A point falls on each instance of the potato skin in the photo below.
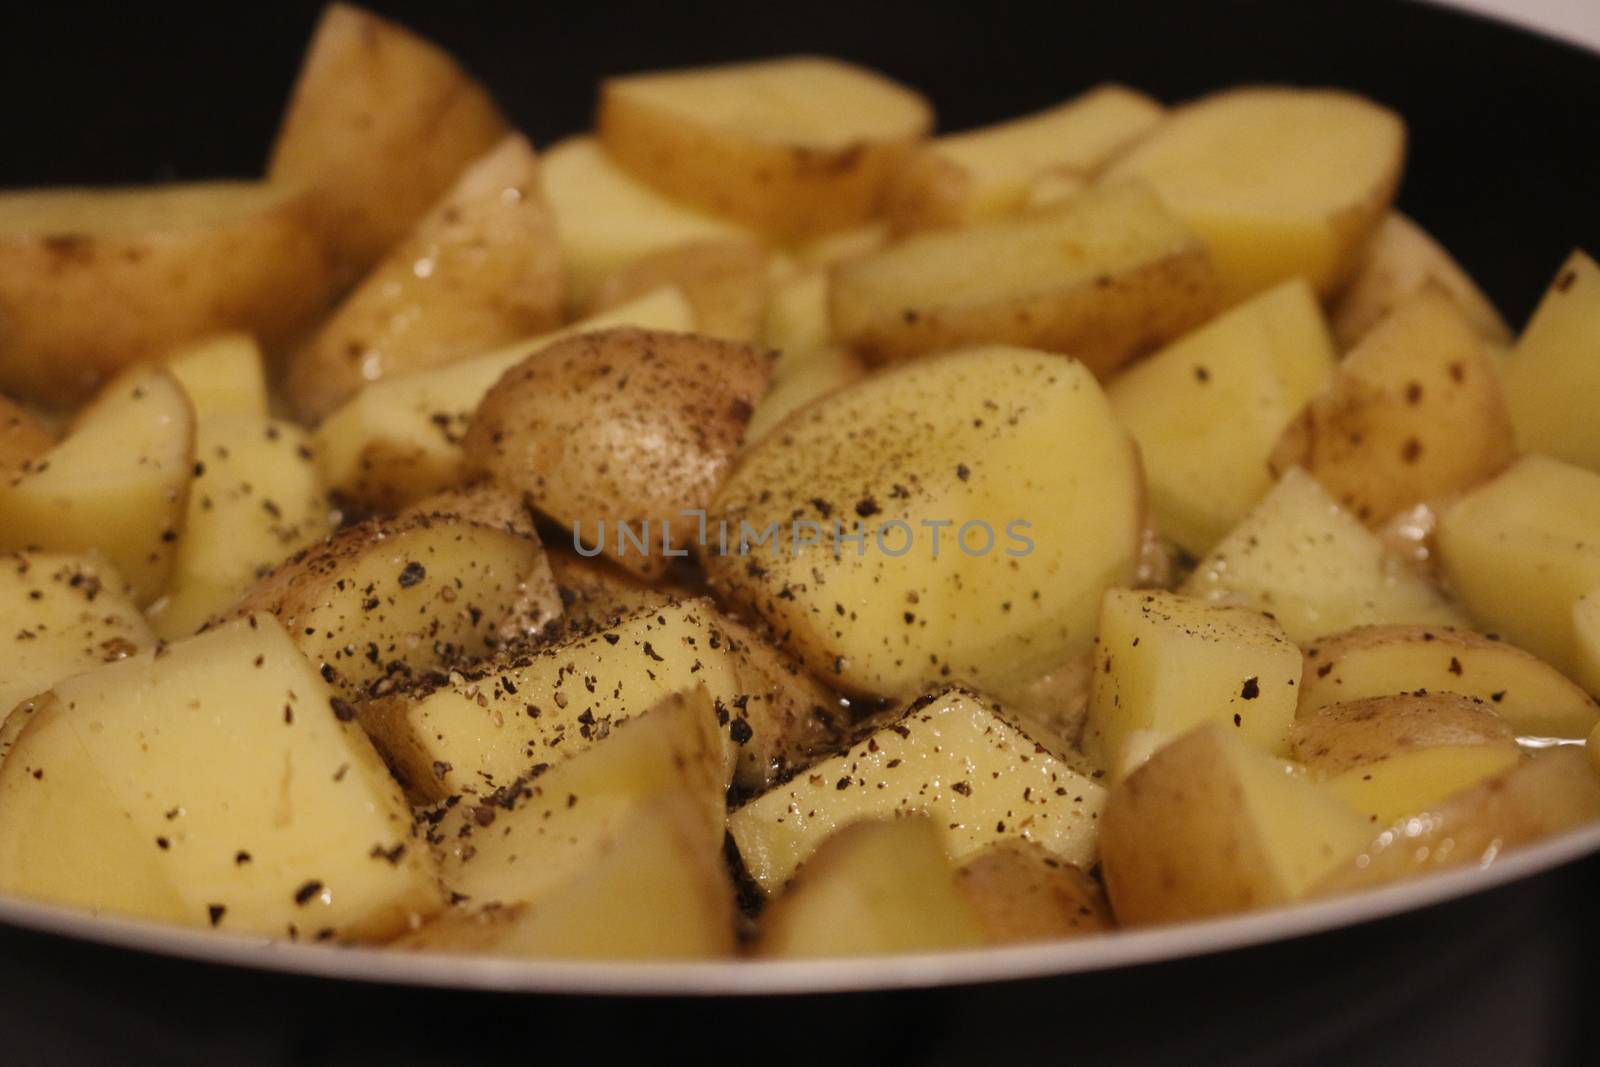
(621, 425)
(23, 438)
(1341, 737)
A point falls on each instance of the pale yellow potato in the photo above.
(1301, 558)
(375, 602)
(23, 437)
(826, 529)
(399, 439)
(1165, 663)
(725, 282)
(1211, 826)
(481, 269)
(379, 124)
(93, 280)
(1414, 413)
(224, 376)
(255, 499)
(790, 147)
(1404, 784)
(1586, 640)
(658, 891)
(265, 811)
(1101, 277)
(1208, 408)
(1279, 182)
(1520, 550)
(878, 886)
(798, 381)
(1022, 893)
(60, 613)
(1400, 260)
(480, 727)
(984, 174)
(1053, 709)
(621, 433)
(1550, 378)
(797, 317)
(117, 484)
(950, 754)
(1374, 661)
(1550, 792)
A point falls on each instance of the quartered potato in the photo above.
(379, 124)
(481, 269)
(1020, 892)
(1550, 378)
(790, 147)
(1278, 182)
(725, 282)
(1101, 277)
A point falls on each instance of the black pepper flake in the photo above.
(1238, 720)
(740, 731)
(963, 788)
(867, 507)
(612, 639)
(241, 858)
(1202, 375)
(163, 844)
(216, 912)
(307, 892)
(963, 471)
(1455, 666)
(341, 709)
(414, 572)
(651, 652)
(1252, 688)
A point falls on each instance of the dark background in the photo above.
(1505, 166)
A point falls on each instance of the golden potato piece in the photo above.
(620, 435)
(1021, 893)
(1586, 640)
(1400, 260)
(725, 282)
(1550, 377)
(791, 147)
(23, 438)
(379, 124)
(989, 173)
(224, 376)
(117, 484)
(1101, 277)
(94, 280)
(1414, 413)
(1279, 182)
(800, 379)
(481, 269)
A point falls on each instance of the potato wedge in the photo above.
(117, 484)
(1165, 663)
(1400, 260)
(378, 601)
(1550, 378)
(95, 280)
(985, 174)
(726, 282)
(226, 755)
(1415, 412)
(876, 886)
(379, 124)
(1211, 826)
(481, 269)
(1208, 409)
(1374, 661)
(950, 754)
(1279, 182)
(399, 439)
(1586, 640)
(596, 594)
(1304, 560)
(1101, 277)
(627, 431)
(224, 376)
(800, 379)
(1021, 893)
(959, 516)
(23, 438)
(790, 147)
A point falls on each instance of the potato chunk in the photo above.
(1307, 562)
(949, 754)
(1166, 663)
(984, 174)
(1100, 277)
(376, 602)
(266, 812)
(877, 886)
(1375, 661)
(1551, 380)
(379, 124)
(958, 516)
(725, 282)
(224, 377)
(622, 432)
(1211, 826)
(1414, 413)
(23, 437)
(1022, 893)
(1208, 409)
(118, 484)
(1520, 550)
(1279, 182)
(791, 147)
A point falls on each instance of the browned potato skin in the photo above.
(493, 277)
(726, 282)
(23, 438)
(1341, 737)
(1381, 440)
(484, 503)
(380, 123)
(621, 425)
(1020, 892)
